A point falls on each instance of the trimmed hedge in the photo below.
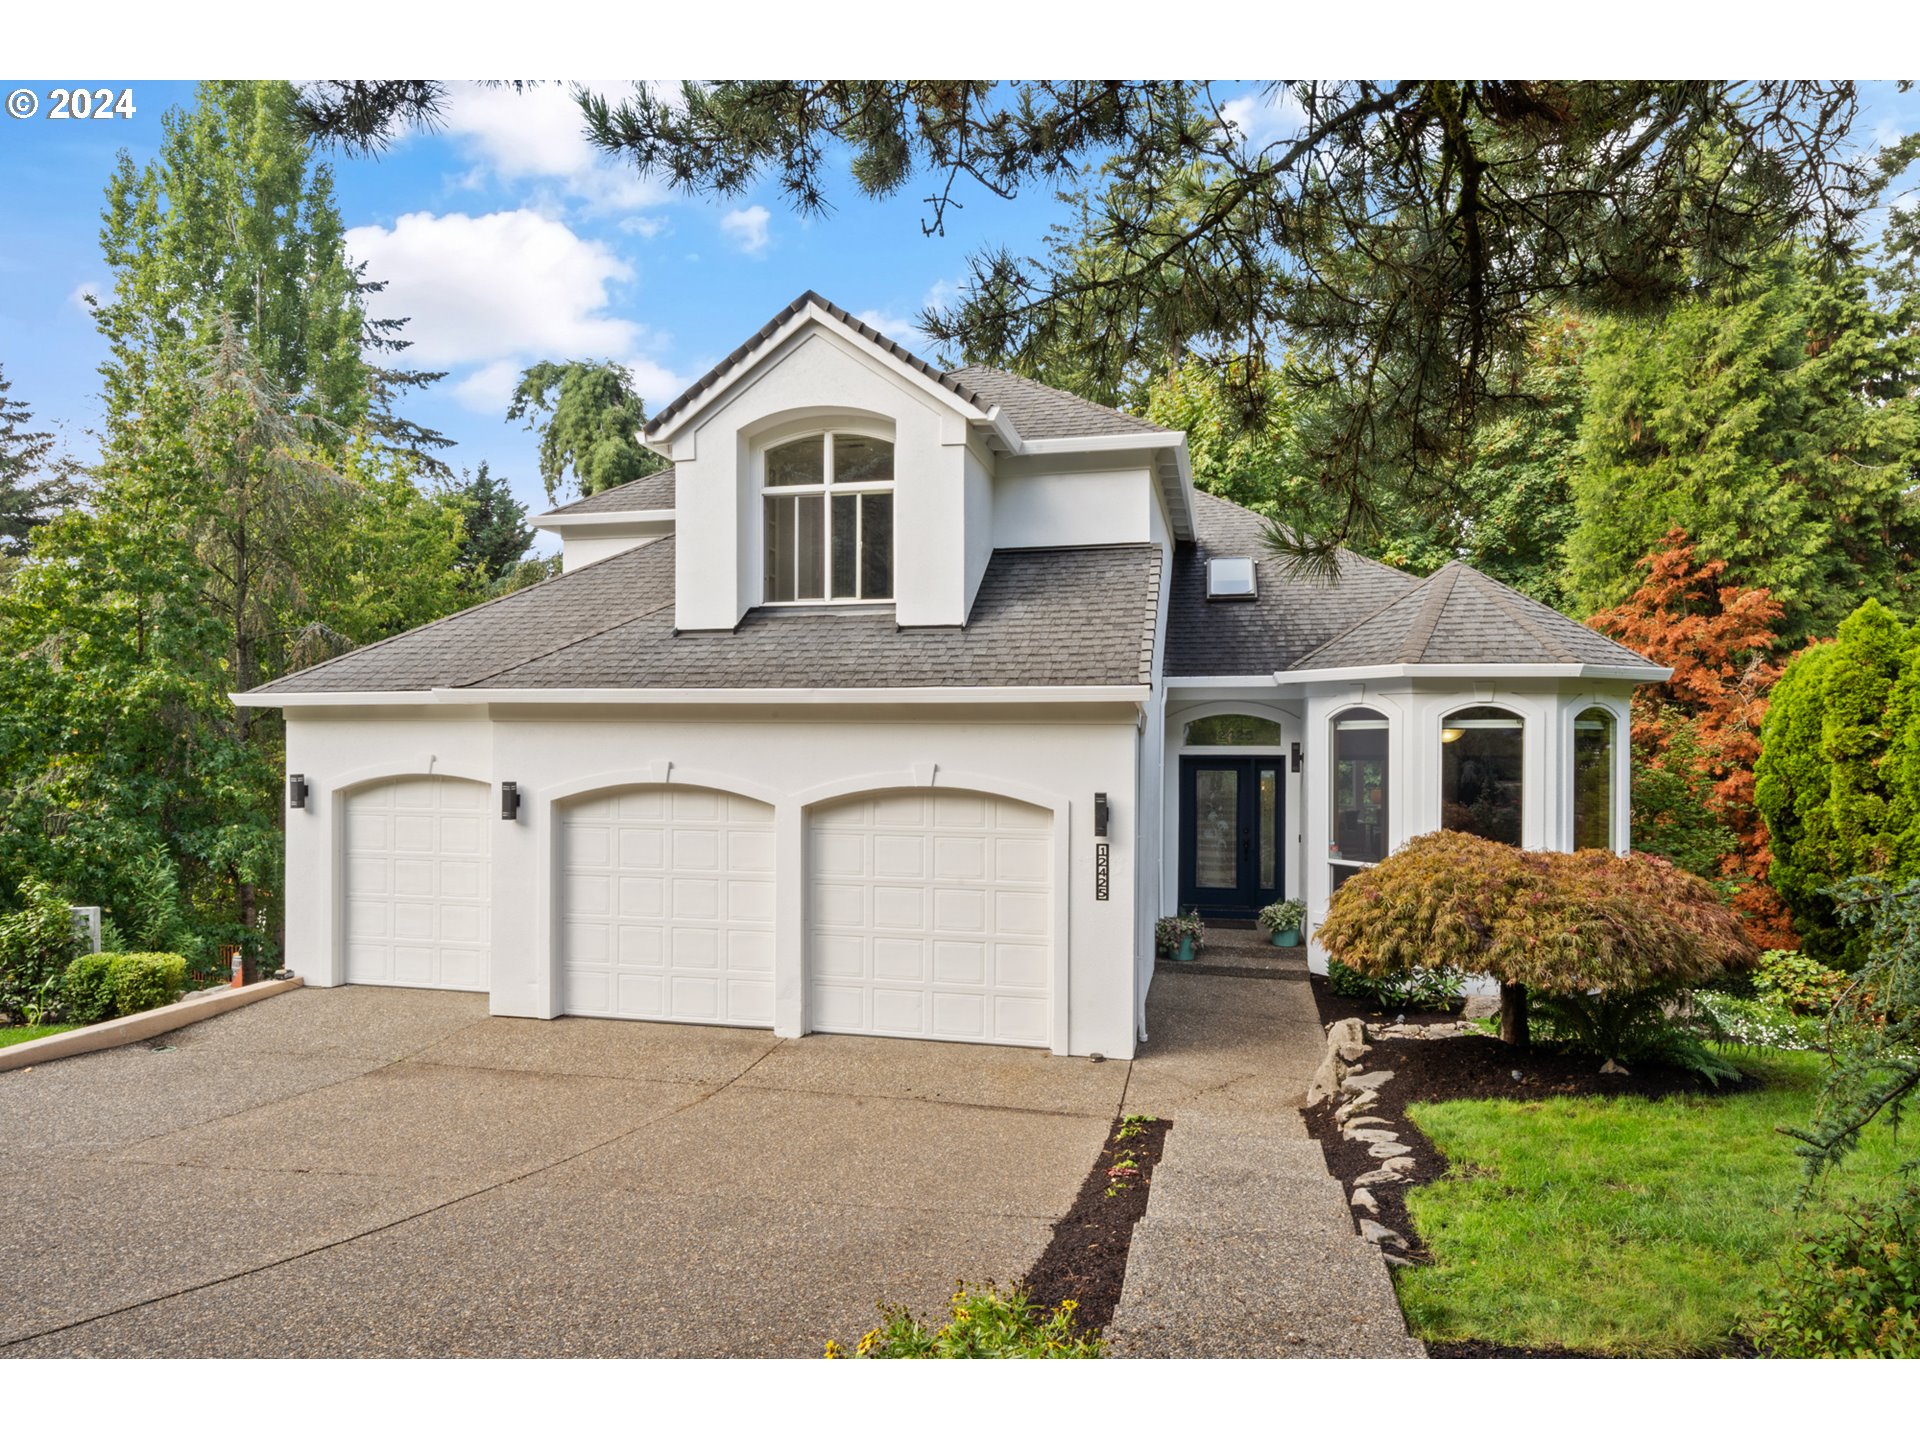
(100, 987)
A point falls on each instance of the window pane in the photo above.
(1233, 730)
(876, 547)
(1482, 752)
(1231, 577)
(1216, 830)
(779, 547)
(860, 460)
(1593, 780)
(1359, 787)
(846, 538)
(1269, 827)
(810, 543)
(798, 462)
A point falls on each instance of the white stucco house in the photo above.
(903, 704)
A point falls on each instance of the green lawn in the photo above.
(17, 1034)
(1630, 1226)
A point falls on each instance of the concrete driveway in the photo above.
(390, 1172)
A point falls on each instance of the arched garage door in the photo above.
(415, 899)
(929, 915)
(666, 901)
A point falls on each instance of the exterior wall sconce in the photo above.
(509, 800)
(296, 792)
(1100, 813)
(1295, 763)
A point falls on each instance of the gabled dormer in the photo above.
(822, 465)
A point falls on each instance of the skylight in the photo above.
(1231, 577)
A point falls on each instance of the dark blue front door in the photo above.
(1231, 811)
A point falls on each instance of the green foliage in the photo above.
(1418, 989)
(20, 1034)
(1850, 1290)
(591, 426)
(36, 942)
(34, 481)
(1674, 815)
(1874, 1029)
(1776, 420)
(1755, 1022)
(1284, 915)
(984, 1325)
(145, 981)
(494, 529)
(1824, 781)
(1798, 983)
(536, 571)
(1635, 1027)
(87, 989)
(1169, 930)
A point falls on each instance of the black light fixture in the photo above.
(297, 792)
(1296, 757)
(1100, 813)
(509, 800)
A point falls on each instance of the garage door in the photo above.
(416, 884)
(929, 915)
(667, 907)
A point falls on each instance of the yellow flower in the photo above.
(834, 1352)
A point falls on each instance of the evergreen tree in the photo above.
(589, 419)
(35, 483)
(1776, 421)
(494, 529)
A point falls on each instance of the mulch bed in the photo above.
(1464, 1067)
(1086, 1261)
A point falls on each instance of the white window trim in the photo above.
(1530, 803)
(827, 489)
(1384, 722)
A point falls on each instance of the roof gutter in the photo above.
(871, 695)
(1638, 674)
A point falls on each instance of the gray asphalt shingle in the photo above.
(1040, 412)
(649, 492)
(1042, 617)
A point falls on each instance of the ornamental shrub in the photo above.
(88, 993)
(1537, 921)
(147, 981)
(1797, 983)
(984, 1325)
(36, 942)
(1851, 1290)
(1408, 990)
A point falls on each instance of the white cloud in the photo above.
(539, 135)
(747, 229)
(1262, 117)
(478, 288)
(898, 328)
(647, 227)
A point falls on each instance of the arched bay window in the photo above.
(1593, 731)
(1358, 836)
(829, 518)
(1483, 773)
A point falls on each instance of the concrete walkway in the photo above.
(1248, 1247)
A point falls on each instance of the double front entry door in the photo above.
(1231, 813)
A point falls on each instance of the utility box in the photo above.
(86, 923)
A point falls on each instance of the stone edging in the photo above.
(144, 1026)
(1338, 1076)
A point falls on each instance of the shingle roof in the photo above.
(1042, 617)
(1040, 412)
(649, 492)
(765, 332)
(1457, 616)
(1292, 615)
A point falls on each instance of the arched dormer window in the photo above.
(829, 518)
(1483, 773)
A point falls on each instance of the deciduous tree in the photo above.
(589, 419)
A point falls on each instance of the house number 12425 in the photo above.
(1100, 871)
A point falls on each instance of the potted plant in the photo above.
(1284, 918)
(1179, 936)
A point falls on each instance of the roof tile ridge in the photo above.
(1365, 619)
(1413, 645)
(661, 473)
(1493, 591)
(606, 629)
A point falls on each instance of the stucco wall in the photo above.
(790, 758)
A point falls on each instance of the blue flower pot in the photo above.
(1286, 938)
(1185, 952)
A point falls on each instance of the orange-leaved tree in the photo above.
(1719, 640)
(1592, 927)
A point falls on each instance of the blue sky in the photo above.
(508, 240)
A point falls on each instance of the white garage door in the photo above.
(667, 907)
(416, 884)
(929, 915)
